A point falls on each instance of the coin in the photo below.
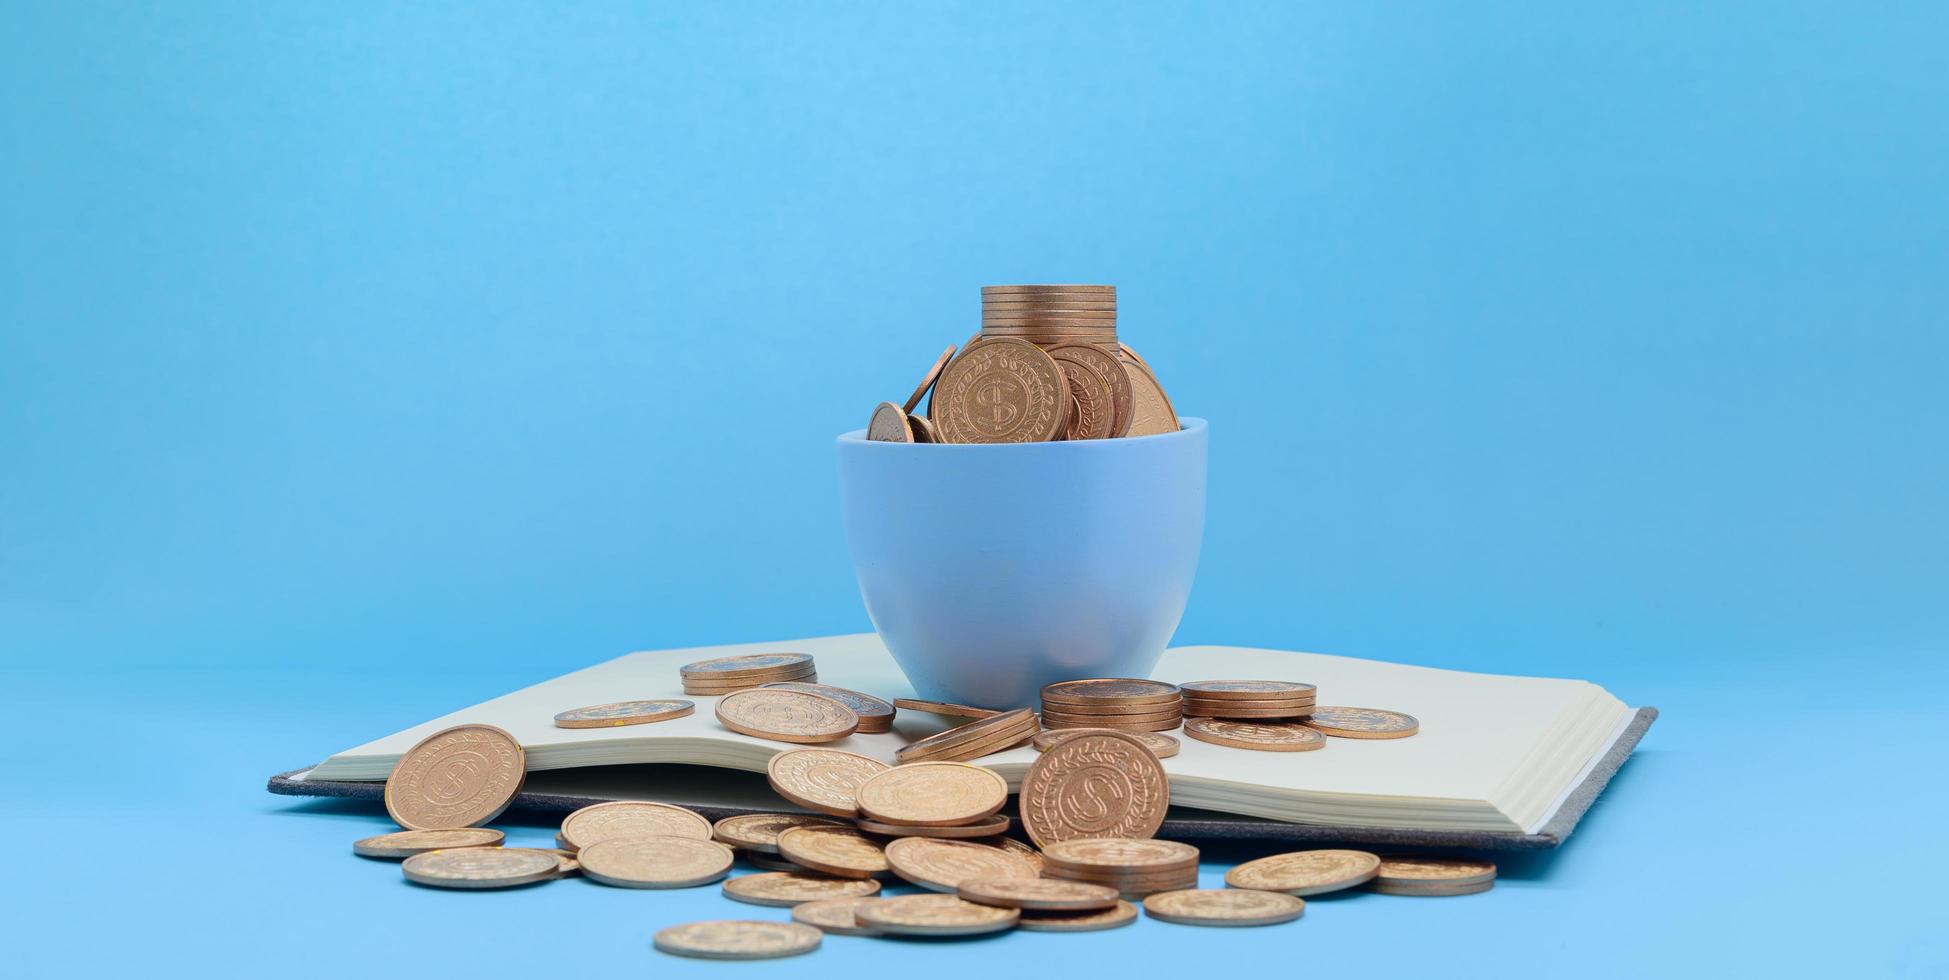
(655, 862)
(458, 777)
(1259, 736)
(840, 851)
(1296, 712)
(481, 867)
(835, 915)
(1041, 894)
(1121, 855)
(622, 713)
(927, 382)
(935, 915)
(1092, 412)
(630, 818)
(1057, 301)
(1252, 704)
(720, 689)
(734, 940)
(1149, 723)
(1110, 691)
(1060, 312)
(1041, 288)
(784, 889)
(990, 733)
(1104, 784)
(1124, 351)
(888, 424)
(567, 863)
(1224, 907)
(1016, 847)
(1151, 412)
(986, 828)
(562, 842)
(1403, 870)
(923, 429)
(937, 794)
(826, 780)
(874, 714)
(759, 831)
(786, 716)
(1306, 872)
(406, 843)
(746, 665)
(1162, 746)
(943, 864)
(1363, 723)
(948, 708)
(1247, 690)
(1109, 375)
(1385, 888)
(1114, 709)
(1121, 914)
(1000, 390)
(768, 862)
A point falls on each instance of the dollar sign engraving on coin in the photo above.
(1000, 390)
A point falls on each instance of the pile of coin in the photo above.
(1247, 699)
(724, 675)
(984, 736)
(1047, 365)
(1135, 868)
(1126, 703)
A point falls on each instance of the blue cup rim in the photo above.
(1188, 428)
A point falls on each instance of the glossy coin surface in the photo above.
(1104, 784)
(1257, 736)
(1151, 409)
(943, 865)
(1299, 712)
(1306, 872)
(1248, 690)
(874, 714)
(1431, 891)
(947, 708)
(888, 424)
(759, 831)
(630, 818)
(924, 429)
(1041, 894)
(1110, 691)
(1363, 722)
(655, 862)
(735, 940)
(482, 867)
(1010, 726)
(745, 665)
(986, 828)
(1162, 746)
(1398, 869)
(839, 916)
(621, 713)
(786, 716)
(933, 794)
(1000, 390)
(783, 889)
(1016, 847)
(1109, 375)
(840, 851)
(927, 381)
(772, 862)
(459, 777)
(935, 915)
(406, 843)
(1224, 907)
(1123, 855)
(826, 780)
(1121, 914)
(1162, 723)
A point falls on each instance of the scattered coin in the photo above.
(746, 665)
(406, 843)
(759, 831)
(839, 916)
(1259, 736)
(942, 865)
(1306, 872)
(986, 828)
(972, 740)
(1430, 891)
(1400, 871)
(624, 713)
(1248, 690)
(924, 429)
(481, 867)
(655, 862)
(1111, 691)
(734, 940)
(1121, 914)
(568, 862)
(926, 383)
(1224, 907)
(1122, 855)
(1363, 723)
(1000, 390)
(630, 818)
(938, 794)
(786, 716)
(1041, 894)
(784, 889)
(888, 424)
(458, 777)
(1162, 746)
(948, 708)
(826, 780)
(874, 714)
(840, 851)
(1151, 408)
(935, 915)
(1104, 784)
(771, 862)
(1016, 847)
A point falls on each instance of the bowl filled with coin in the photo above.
(1041, 519)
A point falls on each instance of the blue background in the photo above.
(359, 362)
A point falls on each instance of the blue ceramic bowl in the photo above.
(991, 570)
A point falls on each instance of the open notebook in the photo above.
(1497, 757)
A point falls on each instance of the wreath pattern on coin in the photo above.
(787, 713)
(1108, 396)
(1000, 390)
(455, 778)
(927, 792)
(1279, 736)
(823, 779)
(1098, 785)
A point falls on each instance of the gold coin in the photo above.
(1403, 870)
(1110, 691)
(784, 889)
(406, 843)
(745, 665)
(1121, 914)
(622, 713)
(1151, 409)
(1121, 855)
(874, 714)
(1040, 894)
(1224, 907)
(1162, 746)
(1112, 710)
(655, 862)
(935, 915)
(773, 863)
(1104, 784)
(1091, 413)
(1250, 704)
(759, 831)
(458, 777)
(987, 828)
(944, 708)
(1258, 736)
(826, 780)
(481, 867)
(1292, 712)
(942, 865)
(719, 690)
(733, 940)
(1108, 374)
(1041, 288)
(1000, 390)
(923, 429)
(1008, 727)
(786, 716)
(1163, 724)
(927, 382)
(840, 851)
(568, 863)
(888, 424)
(839, 916)
(1306, 872)
(630, 818)
(937, 794)
(1061, 301)
(1124, 351)
(1019, 849)
(562, 843)
(1059, 313)
(1247, 690)
(1363, 723)
(1431, 891)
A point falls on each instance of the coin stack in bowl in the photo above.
(1048, 316)
(1248, 699)
(725, 675)
(1125, 703)
(1135, 868)
(984, 736)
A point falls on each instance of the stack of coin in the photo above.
(1128, 704)
(725, 675)
(933, 799)
(1135, 868)
(973, 740)
(1247, 699)
(1050, 315)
